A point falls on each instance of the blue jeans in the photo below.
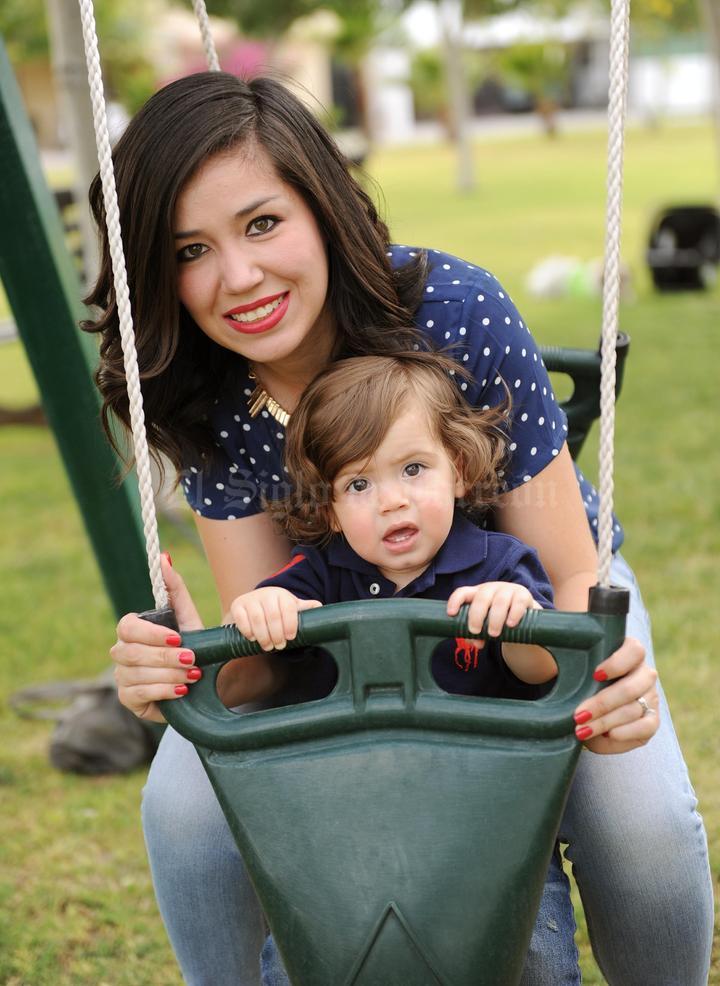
(635, 838)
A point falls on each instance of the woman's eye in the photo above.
(414, 468)
(191, 252)
(357, 486)
(263, 224)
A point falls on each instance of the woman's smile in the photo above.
(259, 316)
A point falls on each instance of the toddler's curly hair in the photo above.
(345, 413)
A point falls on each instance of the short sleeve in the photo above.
(305, 575)
(509, 685)
(523, 567)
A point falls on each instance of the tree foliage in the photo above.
(676, 15)
(428, 83)
(679, 15)
(23, 25)
(360, 20)
(541, 69)
(270, 18)
(128, 74)
(263, 18)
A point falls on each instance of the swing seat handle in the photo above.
(383, 651)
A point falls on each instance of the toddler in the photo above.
(381, 452)
(384, 455)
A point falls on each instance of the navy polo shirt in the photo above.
(335, 573)
(464, 310)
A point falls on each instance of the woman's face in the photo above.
(252, 265)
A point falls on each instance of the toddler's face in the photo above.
(396, 508)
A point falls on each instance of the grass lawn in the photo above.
(76, 905)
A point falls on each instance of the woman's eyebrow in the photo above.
(257, 204)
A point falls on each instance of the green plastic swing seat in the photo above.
(397, 835)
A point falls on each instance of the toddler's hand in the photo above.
(502, 603)
(269, 615)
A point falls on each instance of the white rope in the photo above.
(206, 35)
(122, 295)
(617, 100)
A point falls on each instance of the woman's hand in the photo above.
(614, 721)
(150, 663)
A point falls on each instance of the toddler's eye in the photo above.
(263, 224)
(357, 485)
(191, 252)
(413, 469)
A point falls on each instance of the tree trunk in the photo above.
(450, 12)
(68, 58)
(711, 14)
(547, 110)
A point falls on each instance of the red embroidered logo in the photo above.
(293, 561)
(466, 654)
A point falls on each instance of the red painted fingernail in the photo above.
(167, 555)
(583, 732)
(606, 734)
(600, 675)
(185, 657)
(194, 674)
(581, 717)
(173, 640)
(181, 689)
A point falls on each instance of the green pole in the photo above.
(44, 292)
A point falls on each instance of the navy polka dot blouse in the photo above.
(466, 312)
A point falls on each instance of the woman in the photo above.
(254, 259)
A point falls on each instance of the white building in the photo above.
(677, 79)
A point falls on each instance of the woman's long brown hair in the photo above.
(183, 372)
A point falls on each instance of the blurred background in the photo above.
(479, 127)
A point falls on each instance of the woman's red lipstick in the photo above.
(261, 324)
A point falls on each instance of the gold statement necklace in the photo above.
(260, 400)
